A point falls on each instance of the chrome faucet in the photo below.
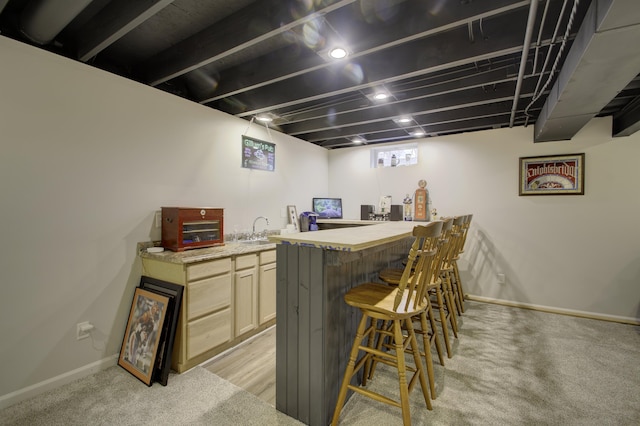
(253, 233)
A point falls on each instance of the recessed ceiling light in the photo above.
(264, 118)
(338, 53)
(418, 133)
(357, 140)
(380, 96)
(404, 120)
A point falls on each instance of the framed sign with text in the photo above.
(258, 154)
(552, 175)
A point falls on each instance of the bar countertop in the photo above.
(350, 238)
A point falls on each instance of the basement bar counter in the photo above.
(315, 327)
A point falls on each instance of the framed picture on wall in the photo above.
(143, 334)
(552, 175)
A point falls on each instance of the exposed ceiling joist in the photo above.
(114, 21)
(451, 66)
(241, 31)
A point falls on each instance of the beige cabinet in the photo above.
(267, 287)
(225, 301)
(246, 294)
(206, 313)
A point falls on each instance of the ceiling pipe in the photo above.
(42, 20)
(533, 8)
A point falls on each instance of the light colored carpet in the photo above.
(520, 367)
(115, 397)
(510, 367)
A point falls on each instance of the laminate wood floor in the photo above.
(250, 365)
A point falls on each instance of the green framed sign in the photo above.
(258, 154)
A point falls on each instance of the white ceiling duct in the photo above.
(42, 20)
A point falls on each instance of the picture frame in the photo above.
(552, 175)
(258, 154)
(143, 334)
(174, 293)
(293, 217)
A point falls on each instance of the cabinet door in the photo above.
(267, 293)
(246, 292)
(208, 332)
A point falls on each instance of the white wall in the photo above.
(87, 158)
(572, 253)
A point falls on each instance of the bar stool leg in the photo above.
(348, 374)
(434, 332)
(417, 359)
(446, 283)
(426, 343)
(443, 321)
(459, 284)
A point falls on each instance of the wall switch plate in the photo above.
(158, 219)
(501, 279)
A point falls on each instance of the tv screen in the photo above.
(328, 208)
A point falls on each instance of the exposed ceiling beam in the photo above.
(270, 70)
(225, 39)
(419, 57)
(603, 59)
(414, 107)
(114, 21)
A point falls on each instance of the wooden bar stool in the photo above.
(424, 323)
(463, 239)
(448, 267)
(439, 289)
(397, 305)
(429, 329)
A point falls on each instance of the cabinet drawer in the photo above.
(246, 261)
(208, 332)
(208, 269)
(208, 295)
(268, 256)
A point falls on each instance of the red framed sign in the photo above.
(552, 175)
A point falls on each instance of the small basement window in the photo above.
(394, 156)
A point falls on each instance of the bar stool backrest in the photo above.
(413, 285)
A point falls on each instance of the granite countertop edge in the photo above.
(203, 254)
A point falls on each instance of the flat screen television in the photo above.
(328, 208)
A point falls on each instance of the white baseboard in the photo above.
(582, 314)
(55, 382)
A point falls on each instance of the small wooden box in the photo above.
(192, 227)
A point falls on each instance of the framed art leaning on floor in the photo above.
(168, 335)
(552, 175)
(143, 333)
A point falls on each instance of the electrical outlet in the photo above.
(83, 330)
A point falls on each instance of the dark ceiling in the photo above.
(448, 66)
